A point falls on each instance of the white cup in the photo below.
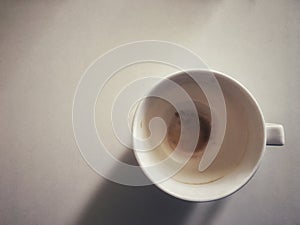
(241, 149)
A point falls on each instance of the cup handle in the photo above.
(275, 134)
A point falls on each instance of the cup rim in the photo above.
(255, 168)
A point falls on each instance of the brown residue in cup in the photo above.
(174, 131)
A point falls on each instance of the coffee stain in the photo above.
(174, 132)
(194, 183)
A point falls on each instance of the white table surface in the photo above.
(45, 47)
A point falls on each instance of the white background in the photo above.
(45, 47)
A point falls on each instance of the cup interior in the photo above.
(240, 152)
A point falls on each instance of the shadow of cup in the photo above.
(119, 204)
